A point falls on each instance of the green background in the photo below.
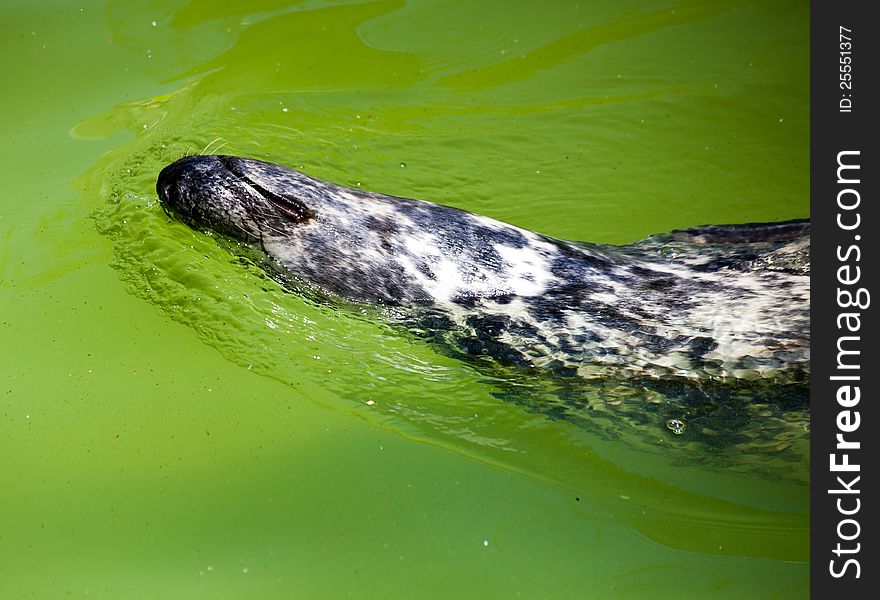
(174, 425)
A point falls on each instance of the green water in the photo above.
(174, 425)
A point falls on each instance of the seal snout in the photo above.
(181, 186)
(171, 177)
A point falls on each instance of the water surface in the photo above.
(176, 425)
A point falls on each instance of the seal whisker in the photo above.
(204, 151)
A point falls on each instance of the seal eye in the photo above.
(293, 209)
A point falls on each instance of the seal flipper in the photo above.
(744, 233)
(781, 246)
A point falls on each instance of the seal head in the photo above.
(359, 245)
(237, 205)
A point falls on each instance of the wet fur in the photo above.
(715, 303)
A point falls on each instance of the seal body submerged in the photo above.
(718, 303)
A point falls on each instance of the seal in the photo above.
(720, 303)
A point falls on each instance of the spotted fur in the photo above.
(716, 303)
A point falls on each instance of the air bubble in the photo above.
(676, 426)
